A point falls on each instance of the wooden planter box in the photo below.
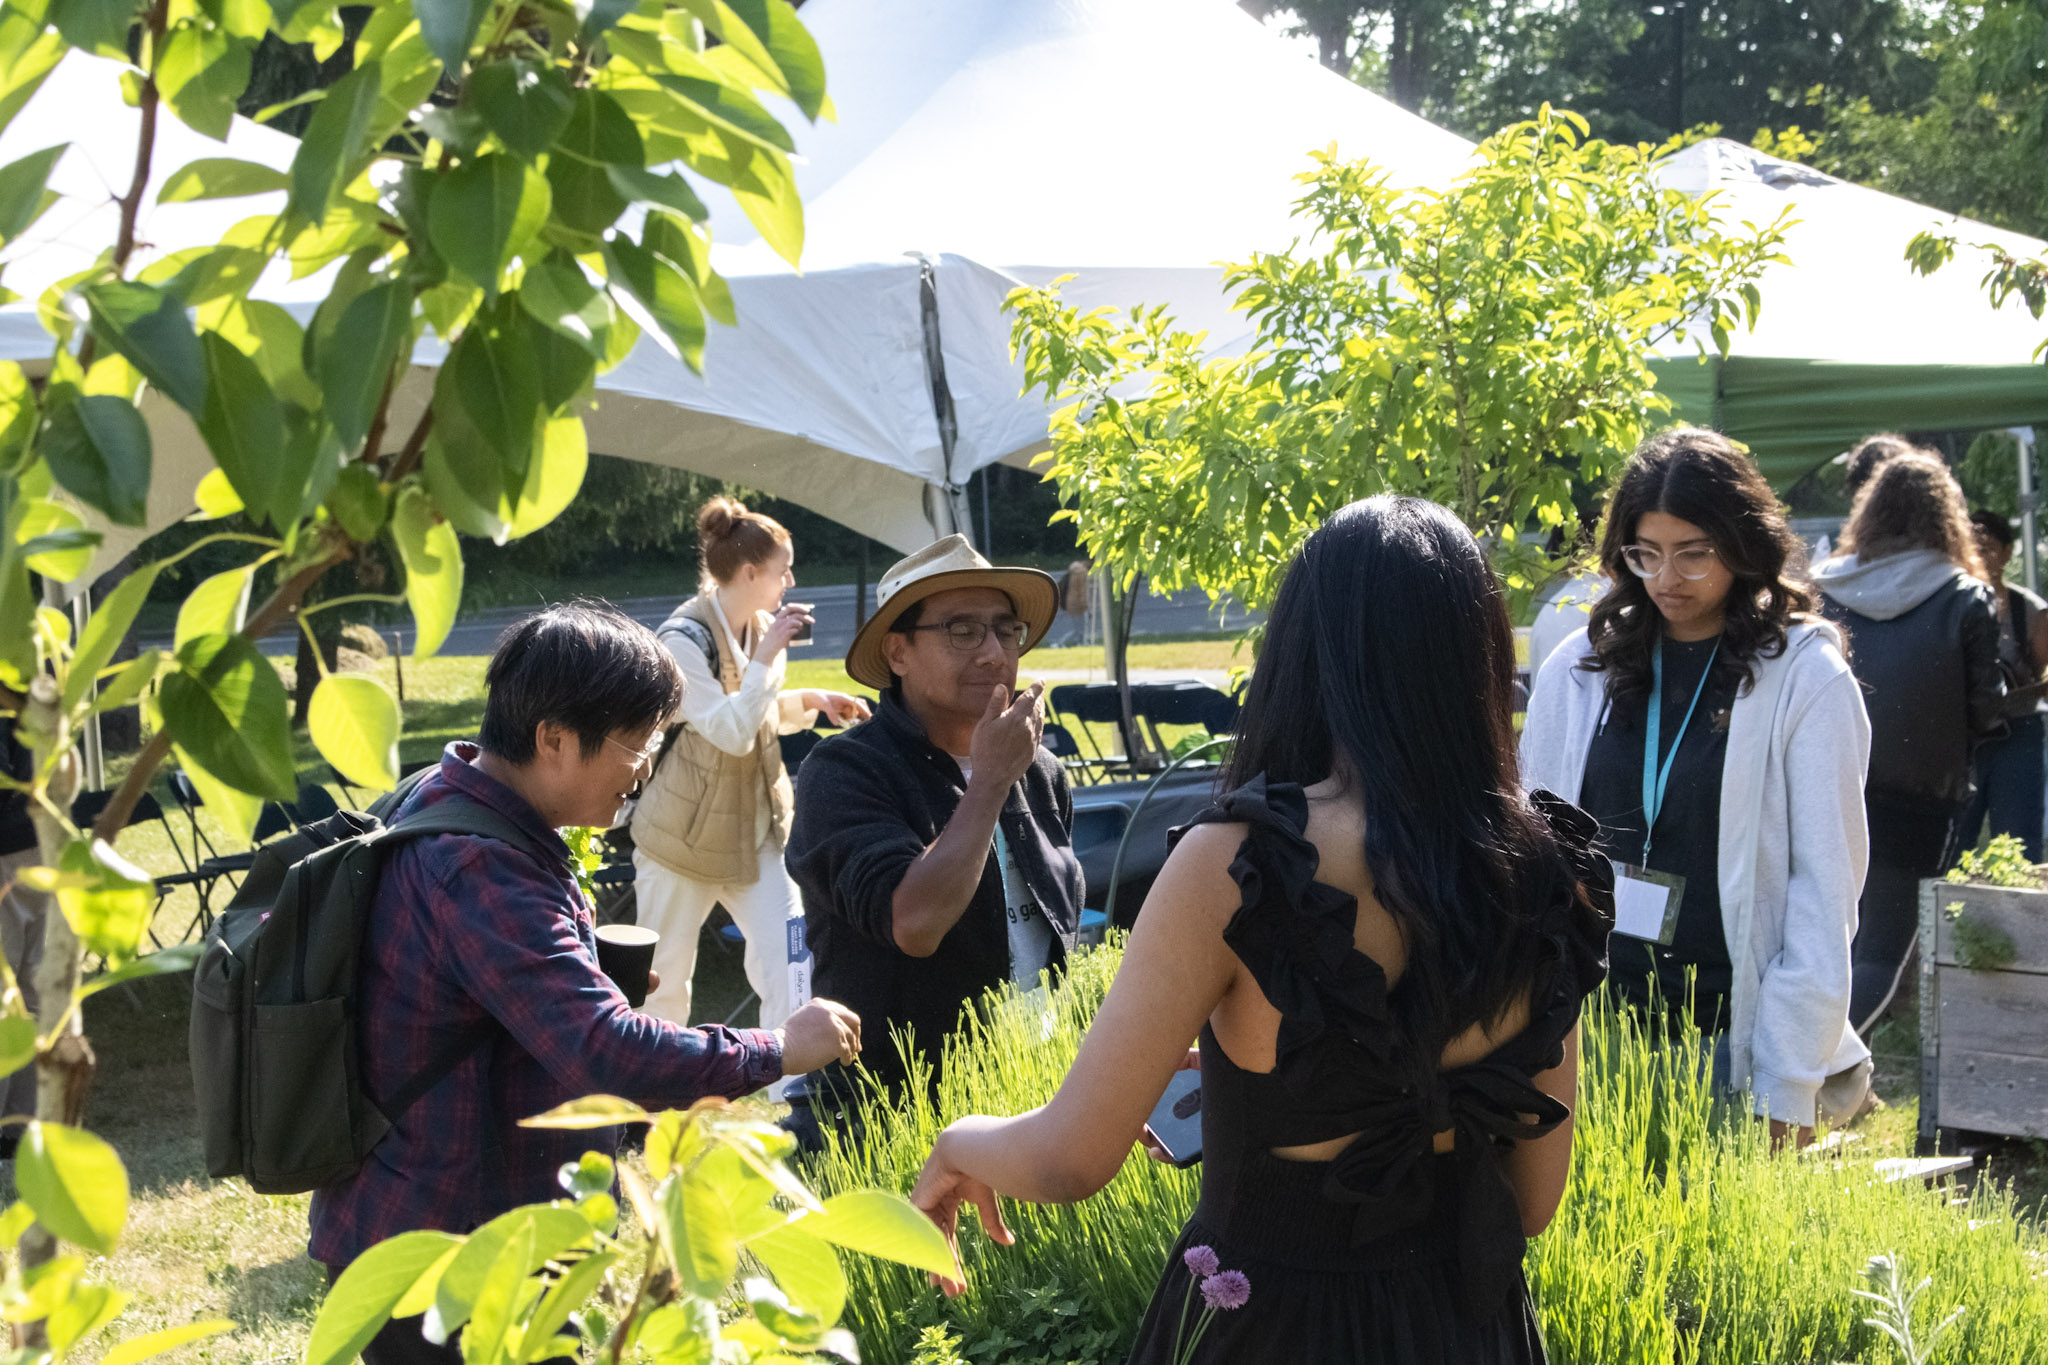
(1983, 1031)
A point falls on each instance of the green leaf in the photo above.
(216, 496)
(201, 74)
(681, 245)
(129, 683)
(220, 177)
(165, 962)
(601, 16)
(789, 45)
(335, 136)
(215, 607)
(600, 134)
(360, 1302)
(271, 337)
(236, 810)
(592, 1111)
(149, 1344)
(552, 1230)
(354, 723)
(766, 190)
(17, 1044)
(23, 196)
(244, 426)
(355, 363)
(487, 405)
(556, 293)
(99, 26)
(105, 630)
(729, 108)
(54, 540)
(449, 27)
(482, 214)
(592, 1173)
(806, 1267)
(526, 104)
(18, 417)
(497, 1300)
(204, 274)
(98, 448)
(668, 299)
(149, 328)
(225, 705)
(878, 1223)
(568, 1294)
(89, 1308)
(75, 1183)
(773, 1310)
(107, 900)
(31, 52)
(695, 1226)
(564, 366)
(642, 186)
(357, 502)
(433, 568)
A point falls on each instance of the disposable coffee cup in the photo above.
(625, 952)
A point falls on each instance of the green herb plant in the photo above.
(521, 178)
(1681, 1236)
(1893, 1315)
(1485, 347)
(2001, 862)
(676, 1286)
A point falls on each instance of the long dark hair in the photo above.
(1700, 477)
(1389, 659)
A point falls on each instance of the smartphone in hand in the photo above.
(1176, 1123)
(803, 632)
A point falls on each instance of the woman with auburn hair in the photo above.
(1908, 589)
(1709, 722)
(711, 824)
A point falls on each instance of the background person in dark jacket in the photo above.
(1909, 591)
(931, 843)
(2010, 776)
(22, 911)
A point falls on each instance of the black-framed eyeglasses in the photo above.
(967, 634)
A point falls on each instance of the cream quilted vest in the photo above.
(698, 814)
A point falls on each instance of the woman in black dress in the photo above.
(1383, 946)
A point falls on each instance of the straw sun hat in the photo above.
(944, 566)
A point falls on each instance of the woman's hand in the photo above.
(792, 618)
(941, 1189)
(842, 709)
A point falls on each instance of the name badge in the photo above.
(1646, 903)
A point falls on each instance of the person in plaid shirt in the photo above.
(465, 928)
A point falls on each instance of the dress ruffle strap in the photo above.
(1297, 938)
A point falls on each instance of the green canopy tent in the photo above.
(1851, 340)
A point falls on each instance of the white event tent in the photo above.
(1135, 144)
(1851, 340)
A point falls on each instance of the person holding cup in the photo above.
(711, 824)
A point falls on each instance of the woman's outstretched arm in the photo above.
(1537, 1169)
(1174, 973)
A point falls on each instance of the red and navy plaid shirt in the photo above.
(464, 928)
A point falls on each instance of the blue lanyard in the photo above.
(1656, 779)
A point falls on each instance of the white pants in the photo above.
(676, 907)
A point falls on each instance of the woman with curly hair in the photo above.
(1909, 591)
(1709, 722)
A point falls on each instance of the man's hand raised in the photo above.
(822, 1032)
(1007, 736)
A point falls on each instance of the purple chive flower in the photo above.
(1199, 1261)
(1227, 1291)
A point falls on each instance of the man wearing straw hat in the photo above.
(931, 843)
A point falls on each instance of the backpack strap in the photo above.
(696, 634)
(448, 817)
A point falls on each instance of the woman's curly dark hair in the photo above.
(1704, 478)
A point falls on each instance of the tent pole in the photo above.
(958, 513)
(2029, 510)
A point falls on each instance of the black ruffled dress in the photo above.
(1390, 1252)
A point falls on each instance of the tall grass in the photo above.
(1681, 1240)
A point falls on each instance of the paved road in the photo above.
(477, 632)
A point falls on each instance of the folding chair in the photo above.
(1096, 704)
(1059, 742)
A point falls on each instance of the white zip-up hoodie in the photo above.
(1794, 848)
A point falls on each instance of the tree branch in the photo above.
(415, 447)
(145, 154)
(282, 603)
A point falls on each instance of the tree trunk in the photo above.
(64, 1073)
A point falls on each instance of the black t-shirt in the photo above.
(1688, 828)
